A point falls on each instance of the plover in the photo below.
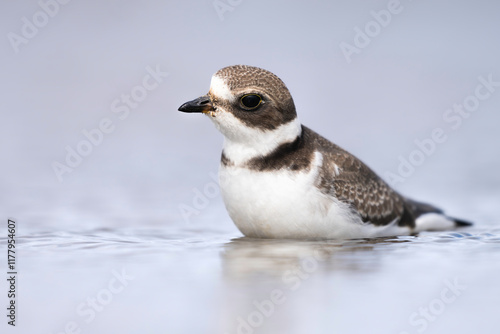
(280, 179)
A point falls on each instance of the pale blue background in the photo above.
(394, 92)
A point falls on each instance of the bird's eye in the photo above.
(250, 101)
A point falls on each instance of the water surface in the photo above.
(201, 280)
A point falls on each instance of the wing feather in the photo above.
(352, 182)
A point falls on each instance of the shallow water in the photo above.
(192, 280)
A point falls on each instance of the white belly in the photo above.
(287, 204)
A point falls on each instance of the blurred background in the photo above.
(375, 103)
(372, 76)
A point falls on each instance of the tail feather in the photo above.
(461, 222)
(431, 218)
(419, 208)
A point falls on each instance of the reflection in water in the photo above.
(253, 285)
(244, 257)
(267, 281)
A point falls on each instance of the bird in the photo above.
(281, 180)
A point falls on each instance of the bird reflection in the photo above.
(268, 282)
(246, 257)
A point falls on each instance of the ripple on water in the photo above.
(170, 239)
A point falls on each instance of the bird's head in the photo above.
(247, 102)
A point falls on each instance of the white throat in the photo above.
(250, 143)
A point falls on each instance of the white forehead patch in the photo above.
(220, 89)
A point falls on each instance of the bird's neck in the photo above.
(259, 142)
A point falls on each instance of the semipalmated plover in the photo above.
(280, 179)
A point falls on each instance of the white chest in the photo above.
(287, 204)
(262, 204)
(280, 204)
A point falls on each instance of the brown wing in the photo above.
(354, 183)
